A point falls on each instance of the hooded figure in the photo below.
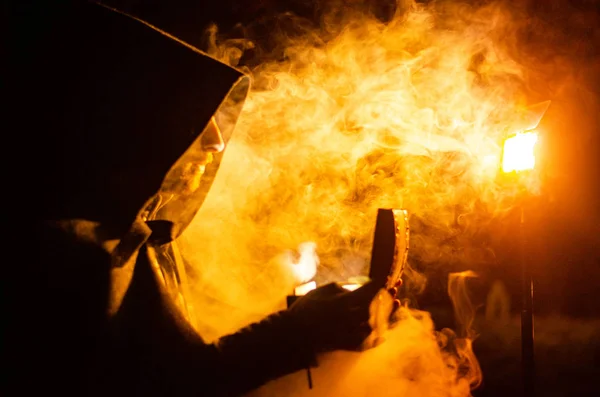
(126, 126)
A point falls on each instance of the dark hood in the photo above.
(104, 105)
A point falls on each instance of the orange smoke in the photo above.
(347, 117)
(358, 114)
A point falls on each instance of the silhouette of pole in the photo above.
(527, 329)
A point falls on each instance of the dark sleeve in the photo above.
(264, 351)
(67, 343)
(162, 355)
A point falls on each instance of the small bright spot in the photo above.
(519, 152)
(304, 289)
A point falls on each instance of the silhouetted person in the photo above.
(120, 130)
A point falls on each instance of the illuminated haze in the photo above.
(357, 115)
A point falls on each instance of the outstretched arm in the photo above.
(147, 347)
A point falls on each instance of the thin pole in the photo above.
(527, 330)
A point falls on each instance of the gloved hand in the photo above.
(333, 318)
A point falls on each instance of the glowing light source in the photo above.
(304, 289)
(351, 287)
(306, 266)
(518, 154)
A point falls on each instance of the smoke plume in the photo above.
(346, 115)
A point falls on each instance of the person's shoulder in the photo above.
(76, 245)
